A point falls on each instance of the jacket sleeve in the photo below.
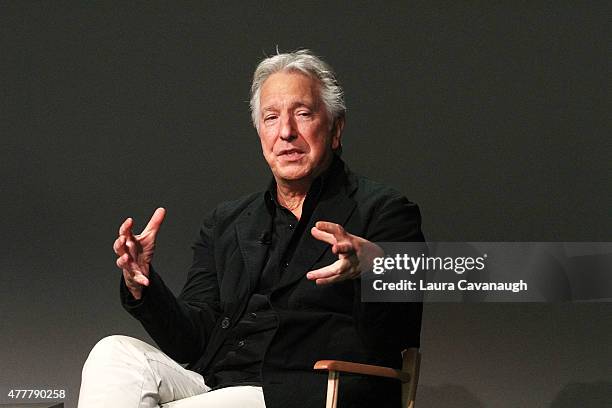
(391, 325)
(181, 326)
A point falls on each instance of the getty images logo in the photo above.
(411, 264)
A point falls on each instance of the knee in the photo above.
(109, 344)
(111, 348)
(106, 364)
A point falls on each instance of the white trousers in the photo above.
(123, 372)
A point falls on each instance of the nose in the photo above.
(288, 130)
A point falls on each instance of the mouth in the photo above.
(290, 154)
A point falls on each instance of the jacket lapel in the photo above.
(252, 224)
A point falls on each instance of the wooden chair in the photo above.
(408, 375)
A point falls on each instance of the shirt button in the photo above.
(241, 343)
(225, 323)
(286, 265)
(291, 226)
(253, 315)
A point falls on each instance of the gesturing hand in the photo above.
(136, 251)
(355, 254)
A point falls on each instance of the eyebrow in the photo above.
(295, 105)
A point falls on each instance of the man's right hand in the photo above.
(136, 251)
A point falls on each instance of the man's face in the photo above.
(294, 127)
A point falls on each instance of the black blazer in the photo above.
(315, 322)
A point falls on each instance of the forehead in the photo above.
(288, 87)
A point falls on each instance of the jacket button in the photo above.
(253, 316)
(241, 343)
(225, 323)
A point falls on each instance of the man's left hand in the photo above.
(355, 254)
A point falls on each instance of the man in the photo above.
(275, 280)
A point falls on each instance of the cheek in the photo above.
(320, 141)
(267, 143)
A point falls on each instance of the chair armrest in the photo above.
(357, 368)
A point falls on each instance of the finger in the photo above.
(330, 270)
(123, 261)
(132, 248)
(336, 268)
(119, 246)
(330, 227)
(137, 275)
(131, 271)
(141, 279)
(134, 279)
(156, 220)
(344, 247)
(126, 227)
(351, 274)
(344, 273)
(323, 236)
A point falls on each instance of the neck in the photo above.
(292, 195)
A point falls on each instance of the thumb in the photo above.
(156, 221)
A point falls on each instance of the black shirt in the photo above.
(247, 342)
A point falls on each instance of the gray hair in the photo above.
(309, 64)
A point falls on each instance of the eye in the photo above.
(304, 114)
(270, 118)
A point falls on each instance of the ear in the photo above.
(336, 133)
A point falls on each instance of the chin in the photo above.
(292, 171)
(293, 175)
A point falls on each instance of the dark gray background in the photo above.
(494, 119)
